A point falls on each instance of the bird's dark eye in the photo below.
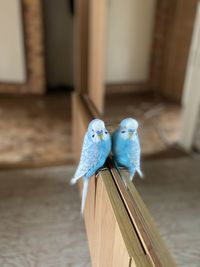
(93, 136)
(123, 131)
(106, 132)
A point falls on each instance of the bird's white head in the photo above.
(128, 129)
(98, 131)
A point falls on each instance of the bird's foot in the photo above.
(99, 170)
(96, 174)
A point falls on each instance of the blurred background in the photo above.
(152, 73)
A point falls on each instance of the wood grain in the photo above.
(177, 44)
(107, 247)
(96, 54)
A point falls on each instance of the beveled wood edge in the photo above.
(130, 236)
(144, 224)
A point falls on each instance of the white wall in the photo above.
(12, 53)
(59, 42)
(129, 39)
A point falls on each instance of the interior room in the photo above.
(64, 63)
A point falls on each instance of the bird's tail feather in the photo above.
(140, 173)
(74, 180)
(84, 193)
(131, 177)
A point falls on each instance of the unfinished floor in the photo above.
(41, 225)
(40, 222)
(36, 130)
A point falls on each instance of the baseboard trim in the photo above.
(112, 88)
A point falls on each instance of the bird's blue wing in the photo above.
(135, 157)
(89, 157)
(134, 153)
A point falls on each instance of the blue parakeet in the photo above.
(95, 150)
(126, 146)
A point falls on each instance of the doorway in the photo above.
(58, 23)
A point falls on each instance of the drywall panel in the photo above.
(129, 39)
(12, 53)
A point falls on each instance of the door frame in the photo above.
(191, 94)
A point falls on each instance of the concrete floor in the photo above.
(171, 191)
(36, 130)
(40, 221)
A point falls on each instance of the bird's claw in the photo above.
(96, 174)
(99, 170)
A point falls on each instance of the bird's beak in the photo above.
(100, 136)
(130, 134)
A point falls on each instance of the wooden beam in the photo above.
(96, 79)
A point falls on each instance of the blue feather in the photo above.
(126, 146)
(95, 150)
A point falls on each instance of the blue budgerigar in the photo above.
(126, 146)
(95, 150)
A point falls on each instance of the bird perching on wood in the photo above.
(126, 147)
(95, 150)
